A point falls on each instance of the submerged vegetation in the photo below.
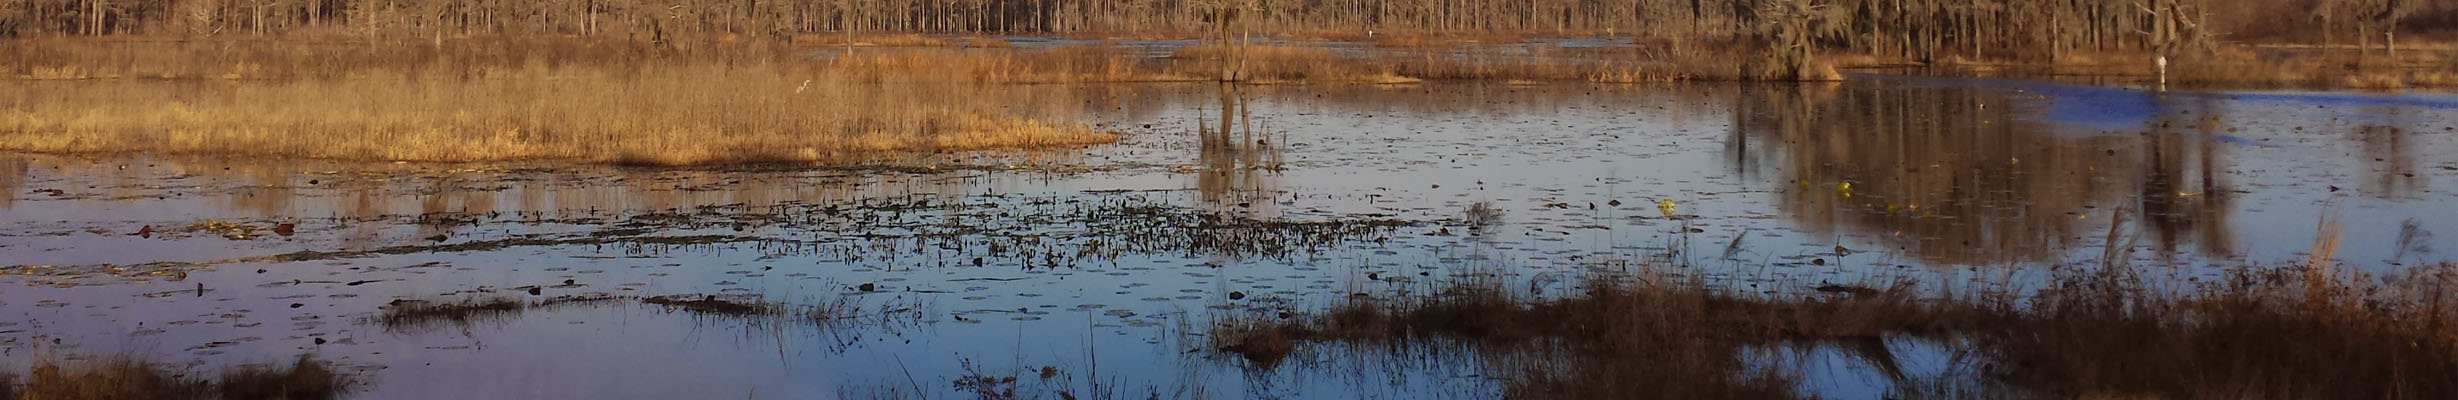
(1027, 232)
(416, 315)
(2291, 332)
(411, 315)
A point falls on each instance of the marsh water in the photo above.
(1108, 264)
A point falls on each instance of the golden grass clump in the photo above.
(112, 379)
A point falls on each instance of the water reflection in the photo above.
(2393, 160)
(12, 180)
(1962, 175)
(1240, 164)
(1190, 215)
(2183, 199)
(273, 192)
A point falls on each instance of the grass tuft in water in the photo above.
(2294, 332)
(128, 378)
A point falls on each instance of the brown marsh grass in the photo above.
(661, 111)
(267, 58)
(1297, 64)
(2256, 333)
(874, 40)
(710, 304)
(413, 315)
(2245, 67)
(706, 100)
(1612, 340)
(1284, 64)
(897, 40)
(927, 58)
(124, 378)
(2260, 66)
(1413, 38)
(923, 56)
(986, 43)
(1072, 64)
(1091, 64)
(416, 315)
(723, 99)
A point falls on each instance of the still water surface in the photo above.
(1110, 263)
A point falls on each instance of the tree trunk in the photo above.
(2389, 44)
(2364, 41)
(2329, 37)
(1246, 34)
(2056, 35)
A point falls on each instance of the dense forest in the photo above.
(1917, 28)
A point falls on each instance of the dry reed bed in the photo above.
(1407, 58)
(665, 113)
(898, 40)
(122, 378)
(682, 102)
(322, 57)
(716, 99)
(2258, 333)
(2243, 66)
(1056, 65)
(1282, 64)
(706, 100)
(2312, 72)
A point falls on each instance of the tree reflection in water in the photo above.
(1958, 175)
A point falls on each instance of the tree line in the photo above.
(1919, 28)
